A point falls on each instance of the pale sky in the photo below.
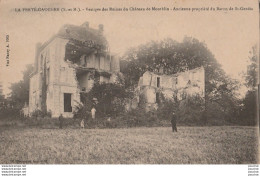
(228, 34)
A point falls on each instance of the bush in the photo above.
(133, 118)
(109, 96)
(166, 108)
(49, 113)
(118, 106)
(214, 114)
(39, 113)
(110, 100)
(82, 111)
(191, 111)
(7, 113)
(248, 114)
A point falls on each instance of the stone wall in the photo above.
(180, 85)
(64, 81)
(61, 79)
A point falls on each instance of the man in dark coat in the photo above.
(173, 121)
(61, 120)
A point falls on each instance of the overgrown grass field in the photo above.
(143, 145)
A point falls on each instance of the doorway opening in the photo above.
(67, 102)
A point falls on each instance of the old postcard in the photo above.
(128, 82)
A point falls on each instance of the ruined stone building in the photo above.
(175, 87)
(67, 65)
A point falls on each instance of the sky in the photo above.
(229, 35)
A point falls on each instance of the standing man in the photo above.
(61, 120)
(93, 112)
(173, 121)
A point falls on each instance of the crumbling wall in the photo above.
(65, 81)
(166, 82)
(180, 85)
(149, 94)
(61, 79)
(168, 94)
(85, 81)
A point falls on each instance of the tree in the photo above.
(223, 103)
(191, 110)
(172, 57)
(248, 114)
(20, 91)
(251, 76)
(110, 97)
(249, 109)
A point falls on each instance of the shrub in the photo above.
(111, 100)
(82, 111)
(166, 108)
(49, 113)
(118, 106)
(214, 114)
(7, 113)
(191, 110)
(39, 113)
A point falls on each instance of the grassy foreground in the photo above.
(157, 145)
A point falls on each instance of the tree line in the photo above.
(223, 104)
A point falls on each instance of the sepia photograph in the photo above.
(129, 82)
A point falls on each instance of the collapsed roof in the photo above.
(83, 33)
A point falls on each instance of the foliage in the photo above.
(226, 99)
(248, 114)
(138, 117)
(108, 95)
(251, 75)
(249, 110)
(172, 57)
(82, 111)
(9, 113)
(215, 114)
(20, 90)
(118, 105)
(108, 98)
(40, 114)
(166, 108)
(191, 110)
